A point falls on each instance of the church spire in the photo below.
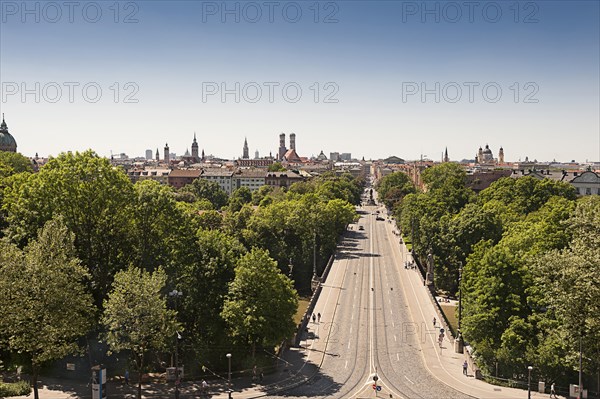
(246, 152)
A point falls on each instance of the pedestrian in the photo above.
(254, 371)
(319, 317)
(434, 320)
(262, 375)
(314, 318)
(465, 367)
(126, 377)
(553, 391)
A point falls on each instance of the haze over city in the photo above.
(371, 78)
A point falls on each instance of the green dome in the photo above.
(7, 141)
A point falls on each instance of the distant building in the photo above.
(195, 155)
(223, 177)
(321, 157)
(587, 183)
(253, 179)
(255, 163)
(334, 156)
(7, 141)
(282, 179)
(148, 155)
(282, 149)
(485, 156)
(246, 152)
(160, 175)
(182, 177)
(345, 156)
(479, 181)
(166, 153)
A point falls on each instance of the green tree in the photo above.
(261, 302)
(210, 190)
(210, 220)
(136, 317)
(239, 198)
(393, 187)
(155, 219)
(94, 200)
(525, 194)
(205, 282)
(571, 285)
(13, 162)
(276, 167)
(44, 306)
(261, 193)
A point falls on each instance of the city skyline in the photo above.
(376, 79)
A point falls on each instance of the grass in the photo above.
(451, 313)
(302, 306)
(14, 388)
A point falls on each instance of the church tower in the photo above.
(446, 159)
(293, 141)
(246, 154)
(501, 155)
(195, 156)
(282, 149)
(480, 155)
(167, 153)
(157, 155)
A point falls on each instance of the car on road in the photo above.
(361, 227)
(379, 218)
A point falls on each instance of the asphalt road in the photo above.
(366, 329)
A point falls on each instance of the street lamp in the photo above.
(458, 346)
(315, 281)
(529, 368)
(176, 294)
(460, 270)
(229, 373)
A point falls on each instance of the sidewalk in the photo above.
(443, 363)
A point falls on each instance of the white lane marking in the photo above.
(397, 356)
(346, 365)
(391, 311)
(409, 380)
(393, 325)
(349, 344)
(395, 338)
(350, 329)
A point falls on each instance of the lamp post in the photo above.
(458, 347)
(314, 284)
(529, 368)
(229, 374)
(580, 390)
(176, 294)
(460, 270)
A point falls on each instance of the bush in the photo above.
(14, 388)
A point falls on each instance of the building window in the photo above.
(588, 191)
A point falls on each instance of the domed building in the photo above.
(7, 141)
(485, 156)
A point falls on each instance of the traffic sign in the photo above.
(378, 388)
(375, 378)
(374, 386)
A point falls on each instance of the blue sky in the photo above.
(369, 63)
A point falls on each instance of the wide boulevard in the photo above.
(366, 328)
